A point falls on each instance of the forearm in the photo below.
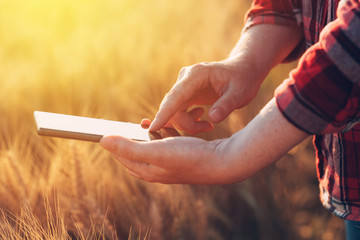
(264, 140)
(263, 46)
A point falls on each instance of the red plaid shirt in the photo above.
(322, 95)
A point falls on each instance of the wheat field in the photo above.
(116, 59)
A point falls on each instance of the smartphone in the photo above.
(93, 129)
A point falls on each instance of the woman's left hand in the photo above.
(170, 160)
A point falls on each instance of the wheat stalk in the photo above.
(19, 176)
(87, 205)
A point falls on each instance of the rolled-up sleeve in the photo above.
(281, 12)
(322, 95)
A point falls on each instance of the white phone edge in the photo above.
(85, 128)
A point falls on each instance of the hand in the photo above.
(228, 84)
(171, 160)
(225, 85)
(192, 160)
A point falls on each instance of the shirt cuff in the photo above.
(295, 111)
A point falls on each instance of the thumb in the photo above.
(222, 107)
(117, 145)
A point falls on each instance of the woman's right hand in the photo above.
(224, 85)
(229, 84)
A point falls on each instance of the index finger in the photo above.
(172, 102)
(190, 80)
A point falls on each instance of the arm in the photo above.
(191, 160)
(228, 84)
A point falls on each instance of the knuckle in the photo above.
(183, 69)
(199, 68)
(182, 73)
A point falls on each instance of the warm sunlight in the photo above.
(116, 59)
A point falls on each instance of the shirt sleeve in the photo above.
(322, 95)
(279, 12)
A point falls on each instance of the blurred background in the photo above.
(116, 59)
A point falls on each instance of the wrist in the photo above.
(223, 159)
(248, 63)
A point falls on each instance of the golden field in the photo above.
(116, 59)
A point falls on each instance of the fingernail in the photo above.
(216, 115)
(152, 125)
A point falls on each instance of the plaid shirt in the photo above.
(322, 95)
